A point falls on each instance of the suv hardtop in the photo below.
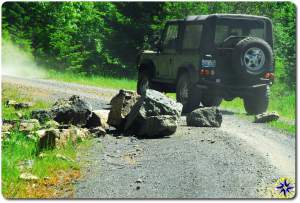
(207, 58)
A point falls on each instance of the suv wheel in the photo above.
(258, 102)
(144, 82)
(209, 100)
(187, 94)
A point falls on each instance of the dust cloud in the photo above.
(15, 62)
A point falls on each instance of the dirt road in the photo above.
(239, 160)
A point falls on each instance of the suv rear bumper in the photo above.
(230, 91)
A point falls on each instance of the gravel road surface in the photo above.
(239, 160)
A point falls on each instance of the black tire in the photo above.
(144, 82)
(258, 102)
(240, 60)
(189, 100)
(209, 100)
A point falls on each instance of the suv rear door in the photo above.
(169, 46)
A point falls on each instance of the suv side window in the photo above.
(192, 36)
(171, 37)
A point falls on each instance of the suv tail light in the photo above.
(269, 76)
(206, 72)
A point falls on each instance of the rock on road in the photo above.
(239, 160)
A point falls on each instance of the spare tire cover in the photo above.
(252, 56)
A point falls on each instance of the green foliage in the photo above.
(94, 80)
(104, 38)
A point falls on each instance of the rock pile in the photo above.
(150, 115)
(67, 120)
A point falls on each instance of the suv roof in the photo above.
(204, 17)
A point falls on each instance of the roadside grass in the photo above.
(17, 147)
(282, 101)
(94, 80)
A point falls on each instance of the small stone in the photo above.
(51, 124)
(18, 105)
(19, 114)
(47, 138)
(266, 117)
(10, 102)
(6, 127)
(98, 131)
(42, 155)
(29, 125)
(28, 177)
(25, 165)
(139, 180)
(60, 156)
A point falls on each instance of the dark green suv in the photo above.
(208, 58)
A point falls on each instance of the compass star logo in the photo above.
(285, 187)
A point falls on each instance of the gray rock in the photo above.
(28, 177)
(47, 138)
(149, 113)
(205, 117)
(98, 131)
(158, 126)
(25, 164)
(98, 119)
(42, 115)
(51, 124)
(6, 127)
(65, 158)
(18, 105)
(121, 105)
(266, 117)
(73, 111)
(73, 135)
(29, 125)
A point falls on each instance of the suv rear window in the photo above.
(238, 27)
(192, 36)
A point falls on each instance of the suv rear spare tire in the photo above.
(258, 102)
(251, 56)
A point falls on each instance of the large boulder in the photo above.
(73, 111)
(205, 117)
(266, 117)
(157, 126)
(153, 115)
(121, 105)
